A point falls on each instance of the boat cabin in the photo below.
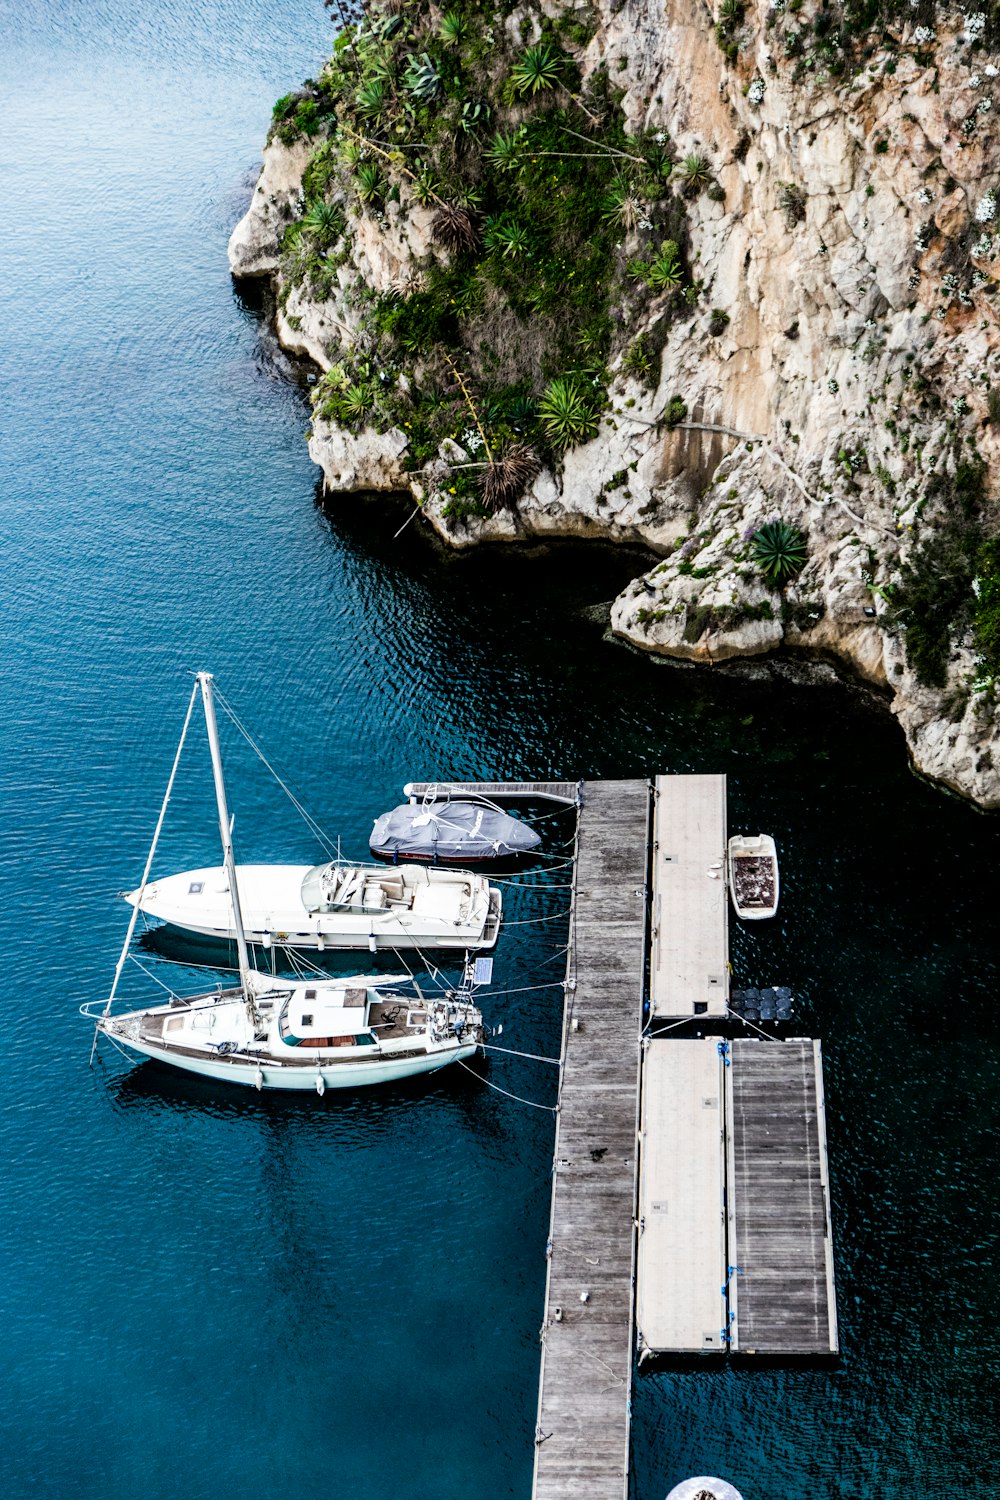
(311, 1019)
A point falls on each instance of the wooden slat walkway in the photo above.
(499, 791)
(582, 1438)
(779, 1200)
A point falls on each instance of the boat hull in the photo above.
(198, 902)
(753, 876)
(294, 1079)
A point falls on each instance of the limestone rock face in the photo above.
(851, 248)
(255, 243)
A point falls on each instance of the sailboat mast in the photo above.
(206, 679)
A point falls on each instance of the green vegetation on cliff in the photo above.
(553, 233)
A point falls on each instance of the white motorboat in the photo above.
(332, 906)
(288, 1034)
(753, 876)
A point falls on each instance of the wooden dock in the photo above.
(567, 792)
(690, 952)
(780, 1237)
(582, 1436)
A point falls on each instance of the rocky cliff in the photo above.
(792, 315)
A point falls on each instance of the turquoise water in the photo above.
(205, 1294)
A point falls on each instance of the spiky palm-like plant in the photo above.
(506, 236)
(537, 68)
(453, 28)
(665, 273)
(453, 227)
(565, 413)
(425, 187)
(421, 78)
(697, 170)
(325, 220)
(372, 97)
(475, 113)
(369, 182)
(622, 205)
(779, 551)
(509, 475)
(505, 152)
(357, 401)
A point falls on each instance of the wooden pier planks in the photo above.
(690, 957)
(499, 791)
(780, 1234)
(582, 1436)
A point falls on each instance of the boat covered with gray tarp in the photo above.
(450, 833)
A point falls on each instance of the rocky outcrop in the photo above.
(846, 267)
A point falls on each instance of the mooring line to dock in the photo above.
(553, 1109)
(512, 1052)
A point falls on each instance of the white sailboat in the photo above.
(288, 1034)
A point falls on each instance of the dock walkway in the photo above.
(690, 955)
(567, 792)
(582, 1437)
(782, 1296)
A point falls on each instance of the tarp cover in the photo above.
(451, 830)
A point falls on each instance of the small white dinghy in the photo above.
(753, 876)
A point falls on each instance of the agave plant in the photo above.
(325, 220)
(425, 186)
(453, 228)
(730, 14)
(453, 28)
(505, 235)
(369, 182)
(356, 401)
(421, 78)
(565, 413)
(537, 68)
(697, 170)
(779, 551)
(505, 152)
(509, 475)
(372, 97)
(665, 273)
(622, 205)
(521, 412)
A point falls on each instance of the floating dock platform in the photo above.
(582, 1435)
(781, 1293)
(690, 1191)
(567, 792)
(689, 967)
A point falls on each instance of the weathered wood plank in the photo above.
(779, 1212)
(582, 1437)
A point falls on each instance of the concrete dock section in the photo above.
(689, 970)
(681, 1270)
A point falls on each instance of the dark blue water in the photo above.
(203, 1294)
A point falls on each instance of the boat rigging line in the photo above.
(332, 848)
(149, 864)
